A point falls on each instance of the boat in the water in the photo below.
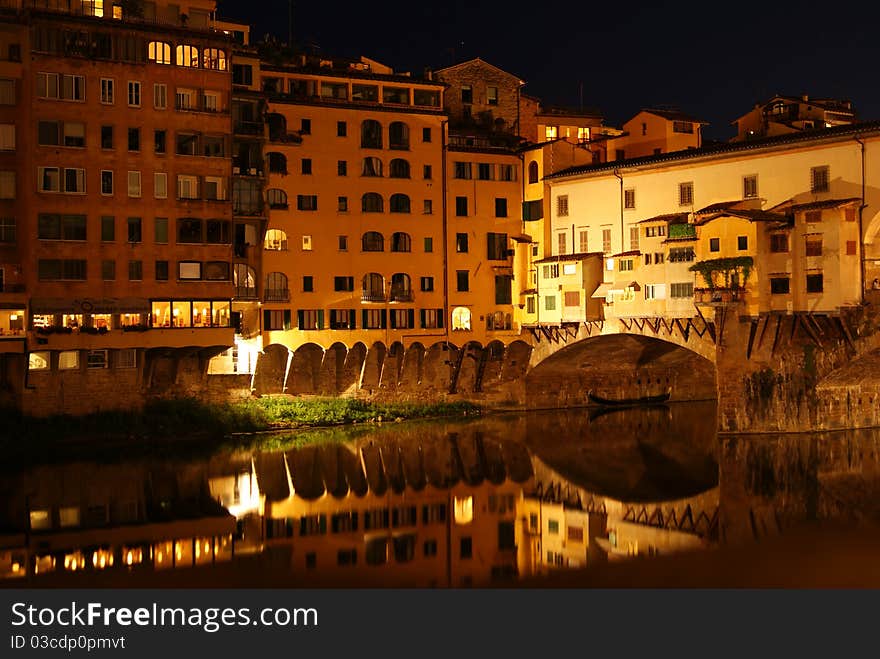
(627, 402)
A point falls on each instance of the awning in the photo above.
(52, 305)
(602, 290)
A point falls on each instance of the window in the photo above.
(685, 194)
(778, 242)
(429, 244)
(633, 238)
(750, 186)
(371, 166)
(106, 182)
(341, 204)
(814, 246)
(814, 283)
(306, 166)
(108, 270)
(492, 95)
(625, 265)
(503, 290)
(160, 96)
(96, 359)
(655, 291)
(401, 242)
(371, 134)
(187, 56)
(551, 132)
(68, 360)
(184, 99)
(714, 244)
(372, 202)
(51, 226)
(134, 94)
(462, 285)
(61, 269)
(500, 207)
(276, 319)
(213, 146)
(189, 270)
(462, 170)
(426, 134)
(308, 285)
(533, 172)
(160, 185)
(427, 284)
(214, 59)
(106, 137)
(461, 318)
(426, 172)
(682, 127)
(215, 188)
(343, 319)
(629, 198)
(135, 233)
(681, 290)
(742, 243)
(134, 184)
(7, 92)
(562, 206)
(427, 207)
(583, 241)
(372, 241)
(461, 243)
(550, 303)
(780, 285)
(851, 247)
(134, 139)
(343, 243)
(307, 243)
(497, 246)
(606, 240)
(461, 206)
(819, 179)
(811, 217)
(135, 270)
(399, 203)
(7, 233)
(341, 168)
(506, 173)
(108, 91)
(74, 180)
(159, 52)
(467, 94)
(343, 283)
(398, 168)
(49, 179)
(307, 202)
(160, 233)
(341, 129)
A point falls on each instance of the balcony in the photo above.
(373, 296)
(285, 138)
(245, 292)
(401, 295)
(719, 296)
(249, 128)
(276, 295)
(246, 209)
(134, 338)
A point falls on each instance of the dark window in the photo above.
(819, 179)
(159, 140)
(341, 129)
(742, 243)
(306, 165)
(308, 284)
(306, 127)
(343, 283)
(467, 547)
(108, 270)
(778, 242)
(401, 242)
(427, 284)
(461, 242)
(108, 229)
(135, 270)
(426, 172)
(189, 230)
(371, 134)
(134, 230)
(426, 134)
(814, 283)
(106, 137)
(461, 206)
(714, 244)
(341, 168)
(161, 270)
(134, 139)
(467, 94)
(503, 288)
(533, 172)
(399, 203)
(500, 207)
(461, 281)
(780, 285)
(497, 246)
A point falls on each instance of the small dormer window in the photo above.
(682, 127)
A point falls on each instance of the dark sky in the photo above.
(711, 60)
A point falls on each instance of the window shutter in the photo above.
(364, 318)
(393, 320)
(320, 319)
(351, 318)
(267, 320)
(422, 318)
(411, 317)
(300, 319)
(440, 318)
(384, 318)
(287, 319)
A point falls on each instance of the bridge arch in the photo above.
(619, 366)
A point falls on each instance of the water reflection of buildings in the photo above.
(404, 506)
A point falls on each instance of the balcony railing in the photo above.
(245, 292)
(373, 296)
(250, 128)
(718, 295)
(276, 295)
(401, 296)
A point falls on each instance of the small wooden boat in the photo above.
(628, 402)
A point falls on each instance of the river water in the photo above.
(503, 499)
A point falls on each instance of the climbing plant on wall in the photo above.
(718, 273)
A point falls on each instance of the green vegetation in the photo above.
(727, 269)
(179, 426)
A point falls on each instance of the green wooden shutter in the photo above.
(440, 319)
(267, 319)
(352, 316)
(320, 319)
(364, 318)
(300, 319)
(384, 318)
(411, 318)
(422, 318)
(287, 319)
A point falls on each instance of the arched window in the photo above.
(398, 135)
(277, 162)
(399, 203)
(372, 167)
(373, 241)
(276, 240)
(244, 279)
(277, 198)
(373, 287)
(533, 172)
(277, 127)
(188, 56)
(401, 287)
(371, 134)
(159, 52)
(398, 168)
(276, 287)
(372, 202)
(214, 58)
(461, 318)
(401, 242)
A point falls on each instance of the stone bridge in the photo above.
(772, 372)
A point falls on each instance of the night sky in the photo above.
(615, 58)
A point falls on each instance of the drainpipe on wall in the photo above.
(447, 318)
(622, 240)
(862, 207)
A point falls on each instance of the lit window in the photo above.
(463, 510)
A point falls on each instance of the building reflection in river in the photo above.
(434, 504)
